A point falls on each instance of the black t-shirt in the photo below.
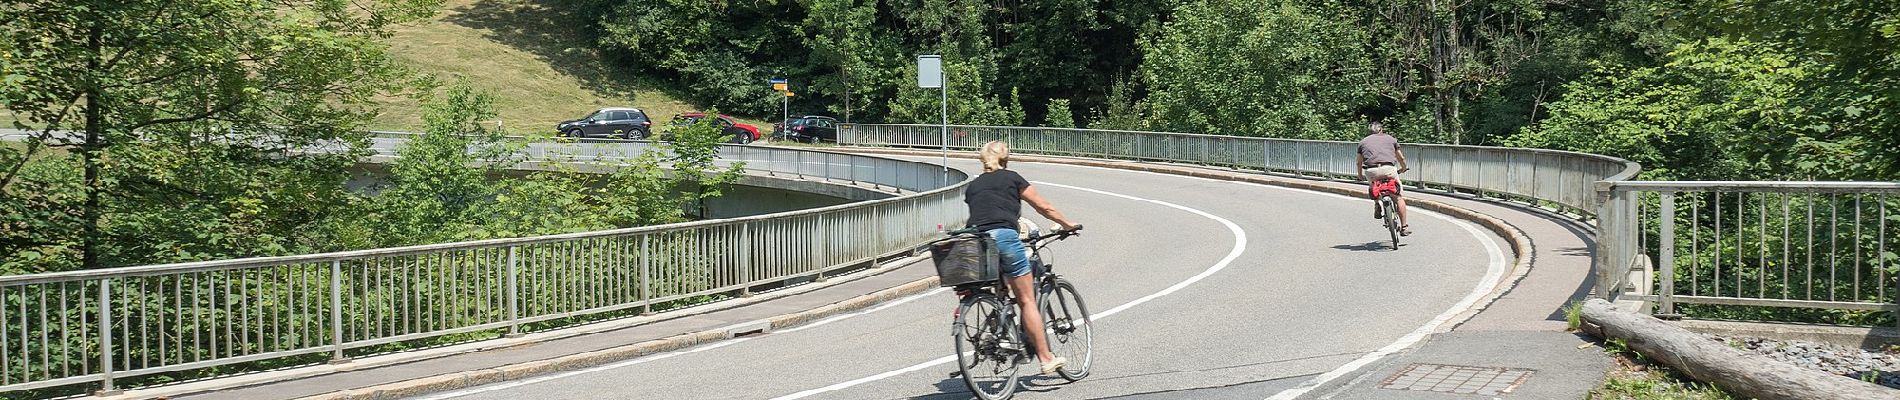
(995, 199)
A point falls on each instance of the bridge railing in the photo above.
(100, 325)
(1746, 243)
(1812, 245)
(1563, 180)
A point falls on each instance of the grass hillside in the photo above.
(534, 58)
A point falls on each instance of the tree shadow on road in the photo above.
(1367, 246)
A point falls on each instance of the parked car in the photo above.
(740, 133)
(807, 128)
(620, 122)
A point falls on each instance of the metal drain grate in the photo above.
(1489, 381)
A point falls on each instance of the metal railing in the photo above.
(1569, 181)
(1774, 244)
(100, 325)
(1816, 245)
(1564, 178)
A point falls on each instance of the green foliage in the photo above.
(1573, 316)
(183, 118)
(1059, 115)
(1285, 69)
(694, 150)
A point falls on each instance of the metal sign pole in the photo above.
(946, 128)
(930, 75)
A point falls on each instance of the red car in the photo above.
(740, 133)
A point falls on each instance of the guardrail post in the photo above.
(1299, 158)
(1330, 163)
(1266, 155)
(1599, 261)
(817, 246)
(336, 313)
(105, 340)
(1510, 166)
(745, 258)
(646, 274)
(1481, 175)
(514, 292)
(1667, 212)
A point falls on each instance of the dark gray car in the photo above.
(618, 122)
(807, 128)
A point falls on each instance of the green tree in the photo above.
(182, 119)
(1059, 115)
(1256, 68)
(693, 151)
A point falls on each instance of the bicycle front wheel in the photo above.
(984, 356)
(1071, 332)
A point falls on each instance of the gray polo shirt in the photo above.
(1380, 148)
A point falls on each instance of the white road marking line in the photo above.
(530, 381)
(1240, 246)
(1492, 275)
(671, 354)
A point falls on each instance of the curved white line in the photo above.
(1494, 272)
(1240, 246)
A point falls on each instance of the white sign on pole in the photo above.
(930, 71)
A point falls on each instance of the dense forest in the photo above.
(179, 117)
(1694, 89)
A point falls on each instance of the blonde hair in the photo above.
(995, 156)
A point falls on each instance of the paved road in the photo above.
(1203, 289)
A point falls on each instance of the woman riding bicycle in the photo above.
(1379, 160)
(995, 199)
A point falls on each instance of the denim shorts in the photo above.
(1009, 246)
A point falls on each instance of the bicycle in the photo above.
(990, 341)
(1386, 192)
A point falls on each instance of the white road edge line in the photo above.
(1240, 246)
(1493, 273)
(670, 354)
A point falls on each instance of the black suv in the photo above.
(807, 128)
(620, 122)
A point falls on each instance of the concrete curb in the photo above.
(1863, 337)
(467, 379)
(1518, 241)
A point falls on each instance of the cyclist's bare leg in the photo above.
(1025, 288)
(1402, 220)
(1401, 196)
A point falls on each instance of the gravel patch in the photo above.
(1881, 367)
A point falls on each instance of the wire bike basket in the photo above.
(965, 259)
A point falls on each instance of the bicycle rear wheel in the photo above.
(987, 367)
(1391, 206)
(1071, 332)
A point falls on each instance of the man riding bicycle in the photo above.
(995, 199)
(1381, 160)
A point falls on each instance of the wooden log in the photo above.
(1741, 374)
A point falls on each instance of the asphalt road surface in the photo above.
(1202, 289)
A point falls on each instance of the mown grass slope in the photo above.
(532, 56)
